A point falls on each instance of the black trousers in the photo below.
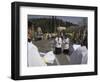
(58, 50)
(66, 51)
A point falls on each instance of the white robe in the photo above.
(34, 58)
(79, 55)
(84, 55)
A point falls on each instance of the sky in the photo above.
(74, 20)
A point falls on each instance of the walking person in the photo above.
(58, 45)
(66, 45)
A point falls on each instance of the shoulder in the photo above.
(82, 49)
(32, 46)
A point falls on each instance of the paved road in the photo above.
(62, 59)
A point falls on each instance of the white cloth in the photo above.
(49, 57)
(58, 41)
(75, 46)
(66, 43)
(34, 58)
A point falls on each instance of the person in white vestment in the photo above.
(80, 55)
(33, 56)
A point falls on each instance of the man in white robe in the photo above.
(79, 56)
(33, 56)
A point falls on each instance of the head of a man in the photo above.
(30, 30)
(66, 36)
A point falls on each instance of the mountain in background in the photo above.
(50, 24)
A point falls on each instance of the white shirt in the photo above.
(66, 43)
(58, 42)
(34, 58)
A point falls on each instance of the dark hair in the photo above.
(29, 25)
(85, 43)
